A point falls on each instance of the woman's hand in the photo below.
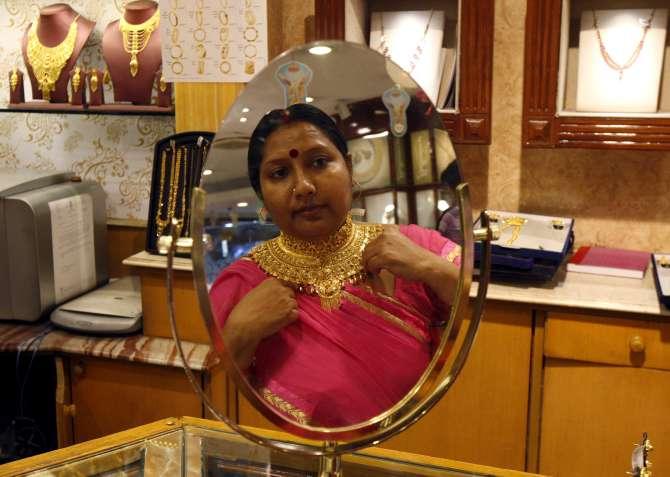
(395, 252)
(262, 312)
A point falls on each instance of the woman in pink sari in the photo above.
(333, 321)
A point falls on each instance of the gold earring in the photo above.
(263, 215)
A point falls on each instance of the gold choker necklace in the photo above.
(136, 38)
(48, 62)
(319, 268)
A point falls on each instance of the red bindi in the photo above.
(293, 153)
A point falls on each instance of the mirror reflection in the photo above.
(332, 233)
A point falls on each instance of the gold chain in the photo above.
(48, 62)
(136, 38)
(319, 268)
(160, 222)
(646, 25)
(174, 183)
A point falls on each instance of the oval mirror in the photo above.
(332, 239)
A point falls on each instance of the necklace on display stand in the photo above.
(620, 68)
(136, 38)
(48, 62)
(415, 57)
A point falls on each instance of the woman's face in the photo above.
(305, 181)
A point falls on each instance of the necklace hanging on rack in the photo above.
(136, 38)
(415, 57)
(48, 62)
(620, 68)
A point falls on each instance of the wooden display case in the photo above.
(549, 117)
(470, 122)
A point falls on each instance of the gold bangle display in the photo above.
(199, 34)
(176, 70)
(225, 67)
(253, 31)
(174, 48)
(174, 19)
(250, 50)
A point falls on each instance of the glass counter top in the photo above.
(201, 448)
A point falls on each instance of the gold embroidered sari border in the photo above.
(284, 406)
(389, 317)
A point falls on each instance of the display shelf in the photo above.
(551, 116)
(60, 108)
(471, 122)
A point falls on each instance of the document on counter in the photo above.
(72, 245)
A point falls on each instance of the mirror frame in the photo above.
(471, 124)
(541, 127)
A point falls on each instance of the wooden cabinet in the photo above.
(109, 396)
(606, 381)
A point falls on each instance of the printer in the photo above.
(52, 241)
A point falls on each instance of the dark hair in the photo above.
(278, 117)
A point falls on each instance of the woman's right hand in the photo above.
(262, 312)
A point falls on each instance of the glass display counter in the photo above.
(197, 447)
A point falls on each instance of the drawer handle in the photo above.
(636, 344)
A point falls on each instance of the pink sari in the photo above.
(340, 367)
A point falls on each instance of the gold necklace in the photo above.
(319, 268)
(136, 38)
(48, 62)
(646, 25)
(160, 222)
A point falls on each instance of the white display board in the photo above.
(213, 40)
(414, 41)
(635, 89)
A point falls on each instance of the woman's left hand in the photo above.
(396, 253)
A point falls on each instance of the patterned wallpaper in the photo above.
(116, 151)
(619, 199)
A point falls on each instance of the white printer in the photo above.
(52, 241)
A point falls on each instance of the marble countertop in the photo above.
(139, 348)
(585, 291)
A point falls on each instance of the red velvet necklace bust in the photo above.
(135, 88)
(52, 30)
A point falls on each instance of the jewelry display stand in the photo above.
(620, 60)
(131, 47)
(51, 47)
(177, 169)
(412, 39)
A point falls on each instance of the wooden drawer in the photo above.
(600, 339)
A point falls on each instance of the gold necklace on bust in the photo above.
(136, 38)
(319, 268)
(48, 62)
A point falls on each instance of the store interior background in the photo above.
(619, 198)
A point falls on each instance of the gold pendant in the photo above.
(76, 79)
(134, 65)
(94, 80)
(162, 85)
(14, 79)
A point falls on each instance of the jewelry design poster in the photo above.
(213, 40)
